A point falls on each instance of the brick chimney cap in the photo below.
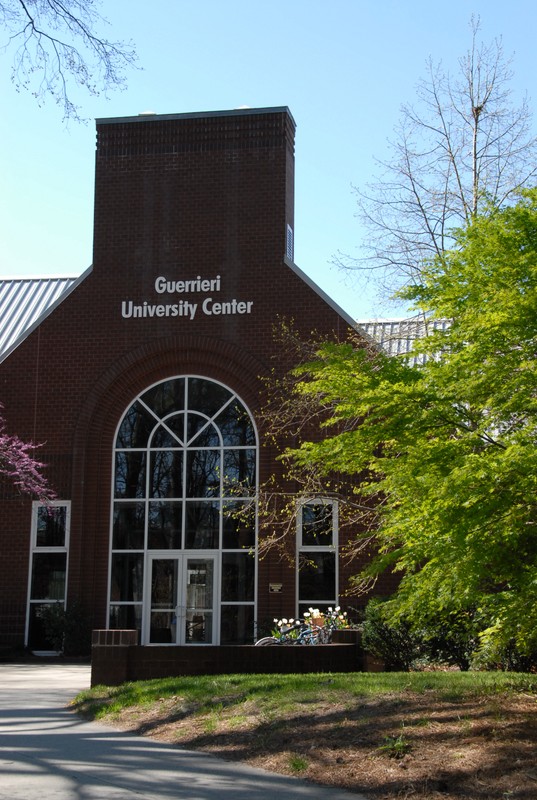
(149, 116)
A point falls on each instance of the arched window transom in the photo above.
(185, 473)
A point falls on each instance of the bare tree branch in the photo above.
(56, 42)
(462, 145)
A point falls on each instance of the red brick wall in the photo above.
(113, 665)
(179, 197)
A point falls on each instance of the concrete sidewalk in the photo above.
(48, 753)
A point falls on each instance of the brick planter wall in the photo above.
(115, 660)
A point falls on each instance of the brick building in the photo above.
(143, 380)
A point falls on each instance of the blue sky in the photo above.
(343, 67)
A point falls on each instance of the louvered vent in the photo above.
(289, 244)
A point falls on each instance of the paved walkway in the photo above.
(48, 753)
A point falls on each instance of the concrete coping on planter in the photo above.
(114, 638)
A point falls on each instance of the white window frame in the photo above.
(219, 551)
(39, 549)
(318, 501)
(183, 558)
(305, 548)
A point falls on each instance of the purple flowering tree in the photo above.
(20, 467)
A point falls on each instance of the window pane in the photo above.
(317, 528)
(202, 525)
(48, 576)
(235, 426)
(238, 525)
(37, 633)
(239, 472)
(130, 474)
(128, 527)
(317, 578)
(166, 474)
(203, 473)
(136, 427)
(171, 434)
(199, 627)
(199, 584)
(206, 396)
(162, 627)
(51, 526)
(165, 525)
(164, 577)
(167, 397)
(126, 617)
(238, 572)
(237, 625)
(208, 436)
(127, 577)
(322, 606)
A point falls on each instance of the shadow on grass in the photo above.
(476, 748)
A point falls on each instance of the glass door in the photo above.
(179, 607)
(198, 627)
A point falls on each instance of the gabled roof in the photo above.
(25, 303)
(317, 289)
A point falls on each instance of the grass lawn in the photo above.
(406, 735)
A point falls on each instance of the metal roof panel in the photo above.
(25, 303)
(397, 336)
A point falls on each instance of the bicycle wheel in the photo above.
(266, 640)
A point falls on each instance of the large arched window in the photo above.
(183, 520)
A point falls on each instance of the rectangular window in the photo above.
(47, 582)
(238, 572)
(317, 567)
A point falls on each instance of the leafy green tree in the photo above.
(447, 449)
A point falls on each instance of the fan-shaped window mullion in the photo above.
(209, 423)
(173, 433)
(210, 420)
(151, 411)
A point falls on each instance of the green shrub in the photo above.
(396, 645)
(452, 638)
(67, 629)
(505, 657)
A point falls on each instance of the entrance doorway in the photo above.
(180, 607)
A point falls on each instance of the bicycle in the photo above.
(306, 635)
(330, 625)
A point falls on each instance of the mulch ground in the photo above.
(393, 746)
